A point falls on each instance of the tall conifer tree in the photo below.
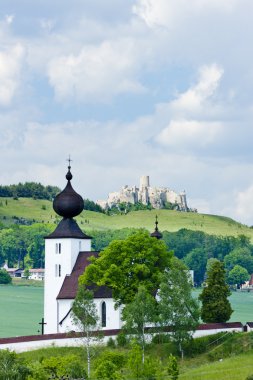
(215, 304)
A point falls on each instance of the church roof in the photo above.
(68, 203)
(156, 234)
(68, 228)
(70, 283)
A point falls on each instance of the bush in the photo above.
(12, 367)
(116, 358)
(5, 278)
(111, 343)
(69, 365)
(250, 377)
(122, 340)
(200, 345)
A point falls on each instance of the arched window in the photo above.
(103, 314)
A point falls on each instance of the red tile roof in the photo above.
(70, 283)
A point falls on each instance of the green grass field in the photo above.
(42, 211)
(22, 309)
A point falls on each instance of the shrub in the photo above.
(5, 278)
(200, 345)
(111, 343)
(122, 340)
(250, 377)
(117, 358)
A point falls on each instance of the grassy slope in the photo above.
(168, 220)
(235, 368)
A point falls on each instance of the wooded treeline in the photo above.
(24, 246)
(29, 190)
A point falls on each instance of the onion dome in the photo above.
(68, 203)
(156, 234)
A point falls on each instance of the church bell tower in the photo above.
(62, 247)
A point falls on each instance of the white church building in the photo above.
(67, 250)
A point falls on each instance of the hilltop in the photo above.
(29, 211)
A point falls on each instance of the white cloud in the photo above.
(168, 13)
(189, 134)
(193, 99)
(10, 70)
(96, 73)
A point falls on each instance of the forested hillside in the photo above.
(29, 190)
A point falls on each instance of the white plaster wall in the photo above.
(113, 317)
(69, 251)
(68, 342)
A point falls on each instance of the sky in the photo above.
(128, 88)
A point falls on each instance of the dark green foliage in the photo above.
(215, 304)
(5, 278)
(198, 346)
(69, 365)
(240, 256)
(196, 260)
(235, 344)
(101, 239)
(124, 208)
(238, 275)
(173, 370)
(111, 343)
(12, 367)
(122, 340)
(250, 377)
(126, 264)
(29, 190)
(176, 307)
(21, 244)
(92, 206)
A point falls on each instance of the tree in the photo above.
(239, 256)
(215, 304)
(126, 264)
(85, 317)
(5, 278)
(238, 275)
(196, 260)
(138, 314)
(173, 370)
(177, 308)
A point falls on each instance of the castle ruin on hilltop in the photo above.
(157, 197)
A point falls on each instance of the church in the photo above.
(67, 252)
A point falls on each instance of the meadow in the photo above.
(41, 211)
(21, 309)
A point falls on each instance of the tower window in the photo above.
(57, 270)
(58, 248)
(103, 314)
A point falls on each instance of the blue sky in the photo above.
(129, 88)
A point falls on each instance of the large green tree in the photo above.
(177, 307)
(196, 260)
(126, 264)
(215, 304)
(238, 275)
(239, 256)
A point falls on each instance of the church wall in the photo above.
(113, 317)
(60, 257)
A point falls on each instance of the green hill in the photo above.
(28, 210)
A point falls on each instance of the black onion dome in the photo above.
(156, 234)
(68, 203)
